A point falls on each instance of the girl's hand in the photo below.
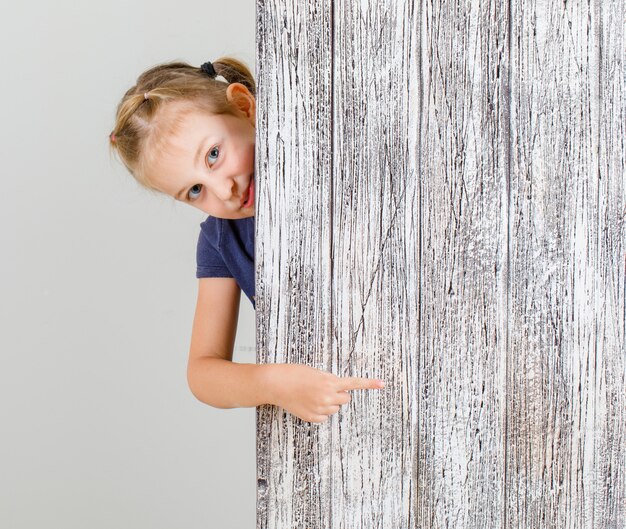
(311, 394)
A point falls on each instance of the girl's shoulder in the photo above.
(216, 229)
(211, 229)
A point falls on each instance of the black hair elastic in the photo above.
(208, 69)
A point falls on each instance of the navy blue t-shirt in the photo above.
(226, 249)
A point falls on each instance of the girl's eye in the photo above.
(198, 188)
(212, 155)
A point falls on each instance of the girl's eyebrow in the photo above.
(196, 159)
(199, 151)
(178, 195)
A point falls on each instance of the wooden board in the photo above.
(463, 330)
(441, 204)
(566, 311)
(292, 256)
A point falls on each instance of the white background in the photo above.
(98, 287)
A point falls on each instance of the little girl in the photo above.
(184, 132)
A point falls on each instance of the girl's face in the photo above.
(209, 162)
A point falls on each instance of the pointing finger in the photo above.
(350, 383)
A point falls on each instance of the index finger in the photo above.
(349, 383)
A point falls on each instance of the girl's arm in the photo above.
(212, 375)
(215, 379)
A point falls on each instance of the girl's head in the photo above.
(183, 132)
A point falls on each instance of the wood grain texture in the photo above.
(609, 307)
(375, 260)
(292, 256)
(442, 204)
(463, 169)
(566, 312)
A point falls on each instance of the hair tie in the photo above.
(145, 96)
(112, 137)
(208, 69)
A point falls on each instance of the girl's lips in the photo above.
(250, 199)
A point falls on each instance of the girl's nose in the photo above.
(227, 189)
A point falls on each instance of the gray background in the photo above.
(98, 284)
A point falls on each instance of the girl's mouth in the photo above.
(250, 200)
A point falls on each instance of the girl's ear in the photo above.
(241, 98)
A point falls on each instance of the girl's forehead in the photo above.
(171, 151)
(178, 125)
(185, 123)
(176, 141)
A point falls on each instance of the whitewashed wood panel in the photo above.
(375, 260)
(441, 204)
(609, 303)
(463, 176)
(566, 314)
(292, 254)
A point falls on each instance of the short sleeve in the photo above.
(209, 260)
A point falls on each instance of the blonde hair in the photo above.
(138, 127)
